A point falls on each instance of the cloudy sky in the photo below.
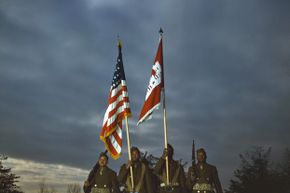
(227, 74)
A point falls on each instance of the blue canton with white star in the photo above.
(119, 71)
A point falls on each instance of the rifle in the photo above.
(193, 163)
(193, 154)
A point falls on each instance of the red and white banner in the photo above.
(154, 89)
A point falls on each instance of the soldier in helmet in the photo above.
(102, 179)
(141, 174)
(203, 177)
(176, 173)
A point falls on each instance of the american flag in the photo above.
(118, 109)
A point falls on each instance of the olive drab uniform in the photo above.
(141, 175)
(104, 180)
(176, 176)
(203, 178)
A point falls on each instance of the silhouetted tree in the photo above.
(43, 188)
(254, 174)
(73, 188)
(282, 173)
(257, 173)
(7, 179)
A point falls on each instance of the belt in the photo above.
(170, 184)
(100, 190)
(202, 187)
(203, 191)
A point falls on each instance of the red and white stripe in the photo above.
(118, 108)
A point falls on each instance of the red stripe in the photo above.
(120, 116)
(111, 147)
(152, 100)
(107, 129)
(159, 55)
(114, 98)
(118, 119)
(117, 138)
(119, 104)
(159, 58)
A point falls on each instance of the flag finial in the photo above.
(119, 42)
(160, 31)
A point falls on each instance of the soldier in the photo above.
(141, 174)
(102, 179)
(176, 173)
(203, 177)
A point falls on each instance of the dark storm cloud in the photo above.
(226, 72)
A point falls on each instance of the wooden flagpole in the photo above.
(129, 152)
(128, 136)
(165, 139)
(164, 119)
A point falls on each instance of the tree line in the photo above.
(257, 173)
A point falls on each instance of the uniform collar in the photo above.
(103, 168)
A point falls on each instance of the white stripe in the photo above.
(123, 82)
(114, 142)
(114, 104)
(119, 132)
(120, 98)
(106, 116)
(148, 116)
(115, 90)
(154, 80)
(119, 110)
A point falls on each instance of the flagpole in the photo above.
(164, 121)
(165, 138)
(129, 152)
(128, 136)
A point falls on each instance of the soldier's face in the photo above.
(103, 161)
(200, 157)
(135, 155)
